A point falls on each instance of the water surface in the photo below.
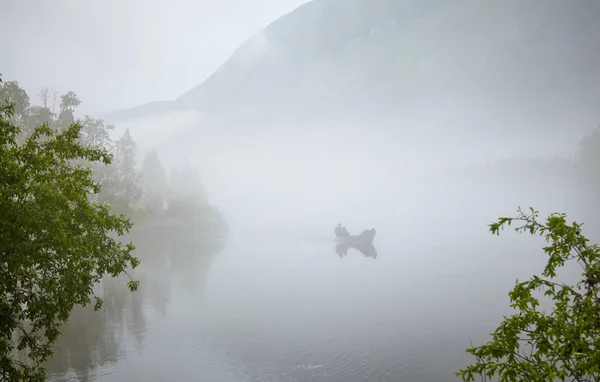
(293, 307)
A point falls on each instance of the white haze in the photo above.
(407, 177)
(308, 178)
(280, 291)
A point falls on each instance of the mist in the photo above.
(296, 175)
(282, 302)
(422, 122)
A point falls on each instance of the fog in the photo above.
(301, 177)
(282, 302)
(286, 149)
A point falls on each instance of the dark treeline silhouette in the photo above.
(142, 191)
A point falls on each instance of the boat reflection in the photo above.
(368, 250)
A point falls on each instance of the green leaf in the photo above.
(564, 339)
(56, 240)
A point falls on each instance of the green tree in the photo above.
(187, 195)
(185, 183)
(26, 116)
(96, 134)
(38, 115)
(68, 102)
(128, 191)
(560, 343)
(55, 243)
(35, 116)
(17, 96)
(154, 181)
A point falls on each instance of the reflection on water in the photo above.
(284, 308)
(368, 250)
(93, 339)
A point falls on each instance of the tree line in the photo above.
(140, 191)
(67, 192)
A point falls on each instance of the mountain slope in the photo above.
(466, 61)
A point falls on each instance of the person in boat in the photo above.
(341, 231)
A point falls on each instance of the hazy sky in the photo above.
(122, 53)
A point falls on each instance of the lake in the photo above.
(293, 307)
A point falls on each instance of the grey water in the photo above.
(279, 300)
(293, 306)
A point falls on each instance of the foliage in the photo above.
(185, 183)
(11, 92)
(154, 179)
(55, 242)
(141, 195)
(61, 183)
(128, 192)
(189, 207)
(68, 103)
(562, 343)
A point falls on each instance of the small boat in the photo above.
(366, 237)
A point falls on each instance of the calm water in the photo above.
(294, 308)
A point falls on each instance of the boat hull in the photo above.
(366, 237)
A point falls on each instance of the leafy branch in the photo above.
(56, 243)
(563, 342)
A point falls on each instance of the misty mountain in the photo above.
(515, 64)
